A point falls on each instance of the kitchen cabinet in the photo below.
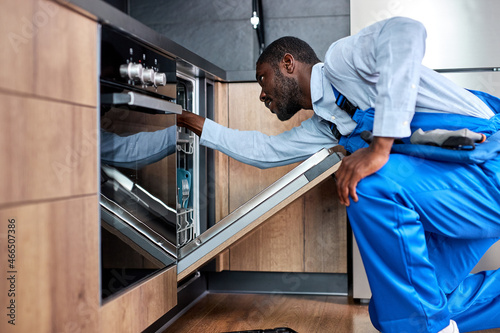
(50, 149)
(48, 53)
(55, 284)
(141, 306)
(17, 46)
(65, 61)
(49, 197)
(309, 235)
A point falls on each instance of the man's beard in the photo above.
(286, 97)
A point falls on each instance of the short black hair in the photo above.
(299, 49)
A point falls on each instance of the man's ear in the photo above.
(288, 63)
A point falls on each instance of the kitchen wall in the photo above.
(220, 30)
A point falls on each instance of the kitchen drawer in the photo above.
(139, 307)
(49, 149)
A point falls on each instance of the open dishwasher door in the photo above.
(255, 211)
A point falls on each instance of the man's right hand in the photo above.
(362, 163)
(191, 121)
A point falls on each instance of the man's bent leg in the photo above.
(473, 300)
(396, 206)
(454, 259)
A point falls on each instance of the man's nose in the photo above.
(262, 96)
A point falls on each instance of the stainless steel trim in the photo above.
(139, 239)
(171, 214)
(142, 101)
(98, 151)
(255, 201)
(186, 284)
(153, 103)
(256, 207)
(132, 222)
(236, 224)
(468, 70)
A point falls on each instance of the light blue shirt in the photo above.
(381, 68)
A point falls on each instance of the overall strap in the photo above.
(343, 103)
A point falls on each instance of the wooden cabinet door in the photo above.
(49, 149)
(18, 46)
(142, 305)
(49, 195)
(66, 59)
(54, 271)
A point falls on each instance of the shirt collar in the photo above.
(322, 96)
(317, 82)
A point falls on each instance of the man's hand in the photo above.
(191, 121)
(359, 165)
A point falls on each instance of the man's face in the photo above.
(279, 93)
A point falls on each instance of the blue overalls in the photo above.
(422, 224)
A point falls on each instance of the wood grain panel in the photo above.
(141, 306)
(247, 113)
(277, 246)
(49, 150)
(66, 55)
(221, 162)
(229, 313)
(259, 251)
(246, 181)
(325, 234)
(17, 31)
(57, 266)
(322, 219)
(319, 314)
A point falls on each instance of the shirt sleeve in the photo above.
(137, 150)
(398, 53)
(380, 67)
(264, 151)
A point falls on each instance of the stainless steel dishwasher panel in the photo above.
(255, 211)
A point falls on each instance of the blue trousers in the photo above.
(421, 227)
